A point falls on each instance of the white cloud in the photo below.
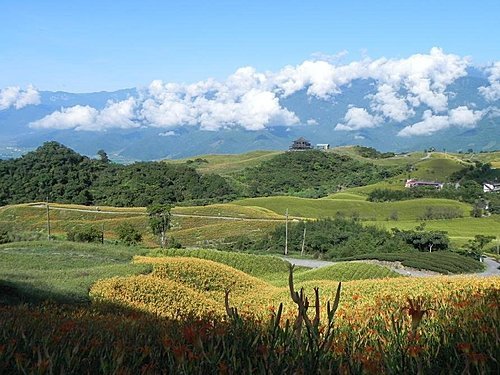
(460, 116)
(492, 92)
(18, 98)
(465, 117)
(358, 118)
(114, 115)
(251, 99)
(311, 121)
(388, 103)
(242, 100)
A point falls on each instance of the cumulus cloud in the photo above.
(460, 116)
(18, 98)
(242, 100)
(358, 118)
(114, 115)
(492, 92)
(424, 76)
(390, 105)
(251, 99)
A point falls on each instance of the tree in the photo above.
(103, 156)
(424, 240)
(479, 242)
(128, 234)
(159, 221)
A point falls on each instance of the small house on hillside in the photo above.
(490, 187)
(322, 146)
(411, 183)
(300, 145)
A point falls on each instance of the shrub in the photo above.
(128, 234)
(85, 234)
(439, 213)
(4, 235)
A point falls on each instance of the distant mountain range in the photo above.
(364, 111)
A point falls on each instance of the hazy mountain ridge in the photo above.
(318, 118)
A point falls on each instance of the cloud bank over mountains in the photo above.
(18, 98)
(412, 91)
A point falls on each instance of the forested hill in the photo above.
(65, 176)
(312, 174)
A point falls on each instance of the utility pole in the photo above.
(48, 219)
(303, 240)
(286, 232)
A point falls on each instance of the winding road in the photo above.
(491, 267)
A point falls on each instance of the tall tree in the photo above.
(159, 221)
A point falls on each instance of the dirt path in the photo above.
(96, 210)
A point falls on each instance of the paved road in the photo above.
(491, 267)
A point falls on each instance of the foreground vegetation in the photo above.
(175, 320)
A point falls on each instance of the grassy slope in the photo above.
(230, 163)
(61, 271)
(208, 228)
(320, 208)
(64, 271)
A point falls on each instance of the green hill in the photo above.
(227, 164)
(326, 207)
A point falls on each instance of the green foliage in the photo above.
(64, 176)
(440, 213)
(371, 153)
(128, 234)
(146, 183)
(103, 157)
(468, 192)
(312, 173)
(85, 233)
(445, 262)
(4, 234)
(51, 171)
(423, 240)
(160, 221)
(478, 172)
(335, 238)
(479, 242)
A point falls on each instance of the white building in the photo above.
(490, 187)
(322, 146)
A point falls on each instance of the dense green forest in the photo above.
(311, 174)
(64, 176)
(342, 237)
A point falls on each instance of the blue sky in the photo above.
(82, 46)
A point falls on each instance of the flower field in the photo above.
(181, 319)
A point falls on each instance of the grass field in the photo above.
(204, 226)
(320, 208)
(228, 164)
(61, 271)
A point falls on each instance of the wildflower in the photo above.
(477, 358)
(414, 350)
(464, 347)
